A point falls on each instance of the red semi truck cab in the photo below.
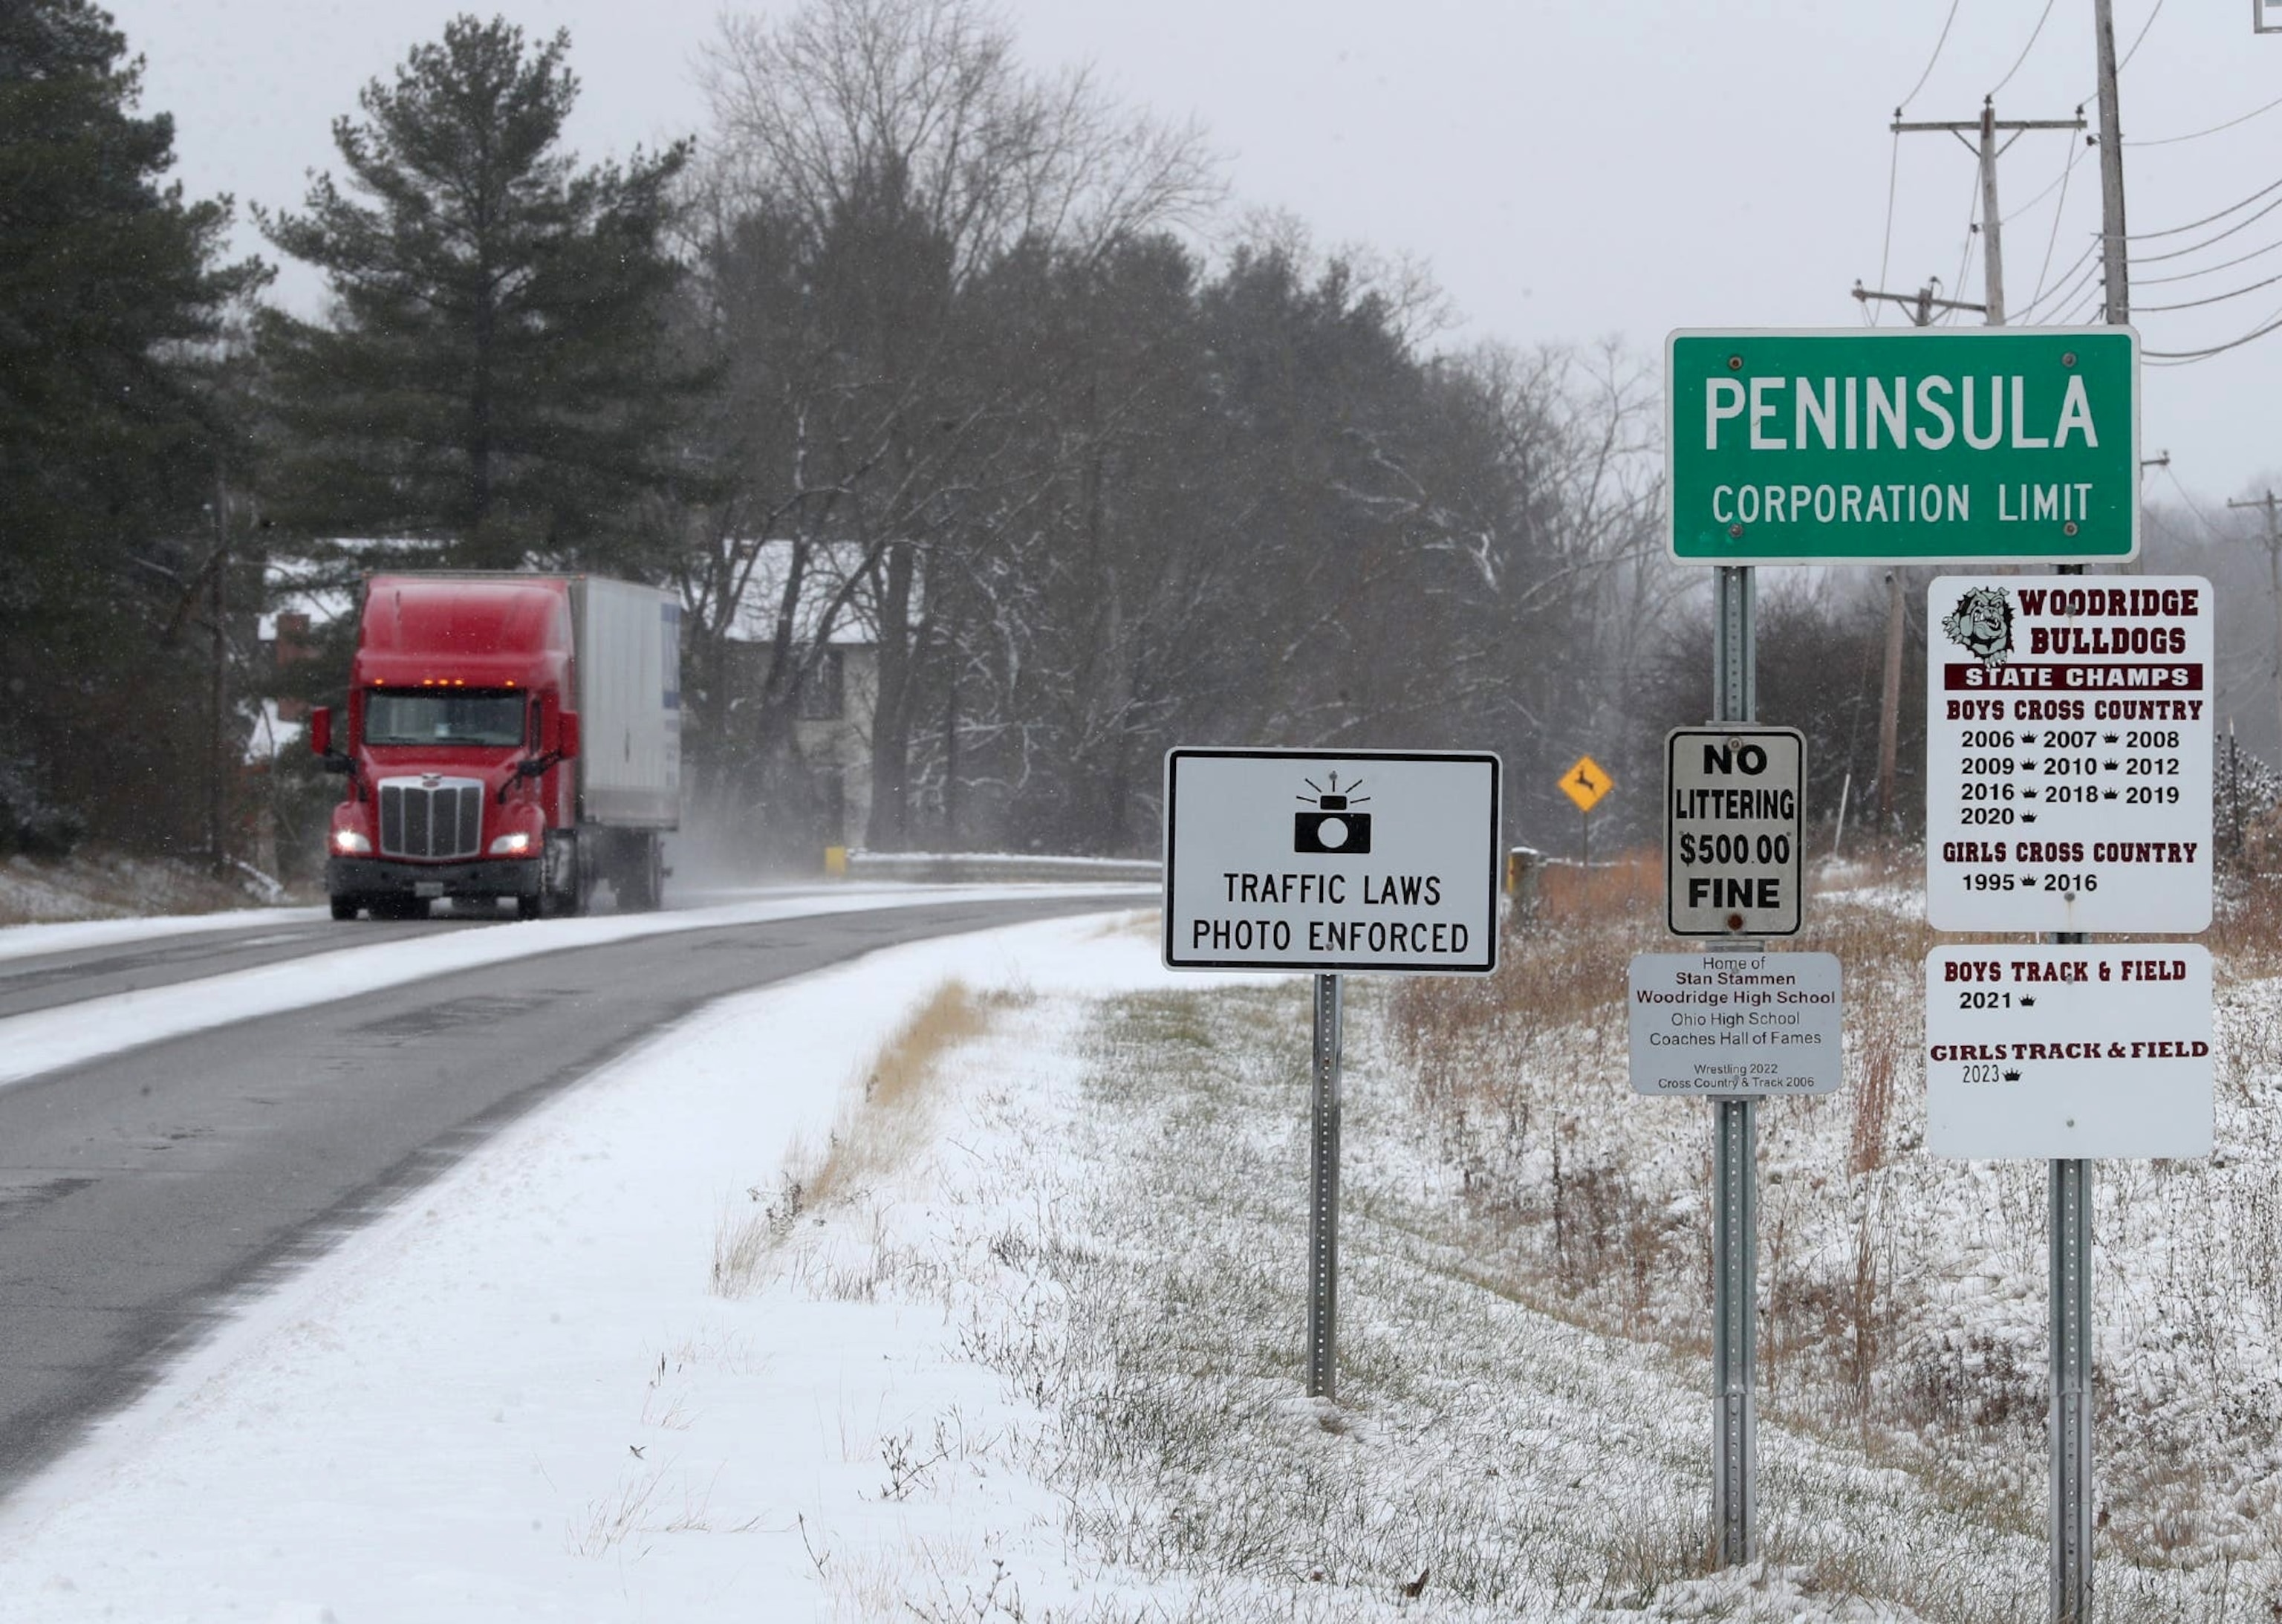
(506, 735)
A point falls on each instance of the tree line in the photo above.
(910, 346)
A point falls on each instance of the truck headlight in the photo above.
(349, 843)
(511, 845)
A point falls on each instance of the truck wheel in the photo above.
(343, 907)
(529, 907)
(640, 881)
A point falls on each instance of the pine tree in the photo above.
(112, 297)
(494, 375)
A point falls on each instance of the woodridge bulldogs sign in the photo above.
(2068, 740)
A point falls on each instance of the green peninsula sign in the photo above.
(2001, 445)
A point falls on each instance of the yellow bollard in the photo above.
(835, 862)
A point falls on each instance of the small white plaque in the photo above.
(1727, 1022)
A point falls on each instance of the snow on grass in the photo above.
(518, 1397)
(1032, 1350)
(1904, 1298)
(98, 884)
(72, 1034)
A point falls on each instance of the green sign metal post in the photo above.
(1919, 446)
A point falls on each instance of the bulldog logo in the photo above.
(1983, 625)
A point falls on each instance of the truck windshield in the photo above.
(429, 718)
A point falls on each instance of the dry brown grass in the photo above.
(888, 1120)
(881, 1128)
(1622, 884)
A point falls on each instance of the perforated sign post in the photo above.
(1379, 861)
(1733, 830)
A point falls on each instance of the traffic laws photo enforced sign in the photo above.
(1328, 861)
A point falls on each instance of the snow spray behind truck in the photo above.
(506, 735)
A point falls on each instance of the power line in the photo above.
(2197, 134)
(1886, 252)
(2091, 248)
(2216, 237)
(1930, 60)
(2208, 270)
(2050, 186)
(2201, 517)
(2215, 298)
(2065, 292)
(2180, 358)
(2141, 236)
(2059, 209)
(2042, 17)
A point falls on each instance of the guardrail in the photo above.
(986, 868)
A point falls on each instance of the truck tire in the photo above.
(343, 907)
(640, 882)
(531, 906)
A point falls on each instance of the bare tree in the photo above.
(873, 158)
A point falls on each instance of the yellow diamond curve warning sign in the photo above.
(1586, 784)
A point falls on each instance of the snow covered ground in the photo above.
(832, 1305)
(517, 1396)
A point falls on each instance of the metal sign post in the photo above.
(2070, 1437)
(1323, 1198)
(1329, 862)
(1734, 1179)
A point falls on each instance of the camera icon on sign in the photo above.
(1331, 826)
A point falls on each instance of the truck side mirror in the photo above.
(321, 730)
(566, 734)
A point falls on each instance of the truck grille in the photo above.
(425, 818)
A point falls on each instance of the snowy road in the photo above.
(167, 1163)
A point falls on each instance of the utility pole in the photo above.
(1986, 128)
(1890, 710)
(218, 746)
(2113, 266)
(1918, 306)
(2273, 577)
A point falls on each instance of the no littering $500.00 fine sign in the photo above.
(2069, 745)
(1733, 830)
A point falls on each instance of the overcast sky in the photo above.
(1571, 172)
